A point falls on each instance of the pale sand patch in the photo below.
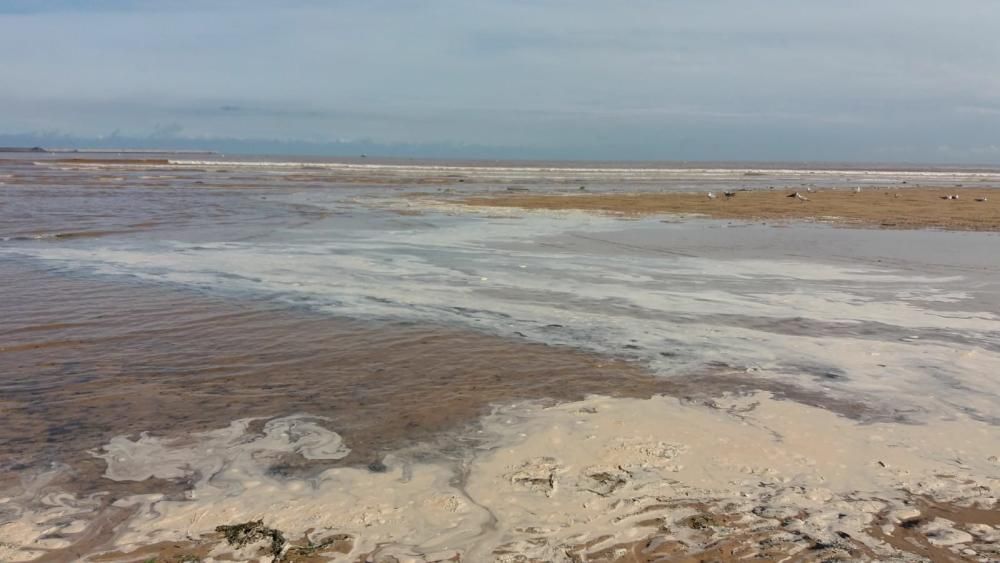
(612, 478)
(905, 208)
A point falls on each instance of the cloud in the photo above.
(535, 74)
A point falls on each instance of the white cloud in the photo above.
(508, 72)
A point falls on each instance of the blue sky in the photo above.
(874, 80)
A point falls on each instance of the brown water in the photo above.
(84, 360)
(86, 357)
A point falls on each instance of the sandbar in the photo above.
(896, 208)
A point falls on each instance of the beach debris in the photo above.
(701, 522)
(583, 188)
(981, 199)
(798, 196)
(729, 194)
(809, 189)
(895, 195)
(603, 482)
(949, 196)
(536, 475)
(337, 542)
(516, 189)
(711, 195)
(239, 535)
(280, 550)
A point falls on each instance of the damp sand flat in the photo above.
(904, 208)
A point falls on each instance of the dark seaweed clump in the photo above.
(239, 535)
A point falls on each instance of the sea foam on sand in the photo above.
(579, 478)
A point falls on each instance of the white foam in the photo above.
(494, 275)
(204, 455)
(548, 479)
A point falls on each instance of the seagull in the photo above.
(981, 199)
(711, 195)
(798, 196)
(857, 189)
(809, 189)
(729, 194)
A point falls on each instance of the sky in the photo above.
(781, 80)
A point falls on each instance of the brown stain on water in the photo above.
(84, 360)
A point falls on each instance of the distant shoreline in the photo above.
(752, 168)
(99, 151)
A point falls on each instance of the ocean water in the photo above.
(884, 317)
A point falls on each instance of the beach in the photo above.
(893, 208)
(247, 359)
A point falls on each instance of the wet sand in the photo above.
(902, 208)
(601, 479)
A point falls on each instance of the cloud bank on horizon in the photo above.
(894, 80)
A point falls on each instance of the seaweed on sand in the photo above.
(239, 535)
(314, 548)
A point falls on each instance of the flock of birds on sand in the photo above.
(857, 190)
